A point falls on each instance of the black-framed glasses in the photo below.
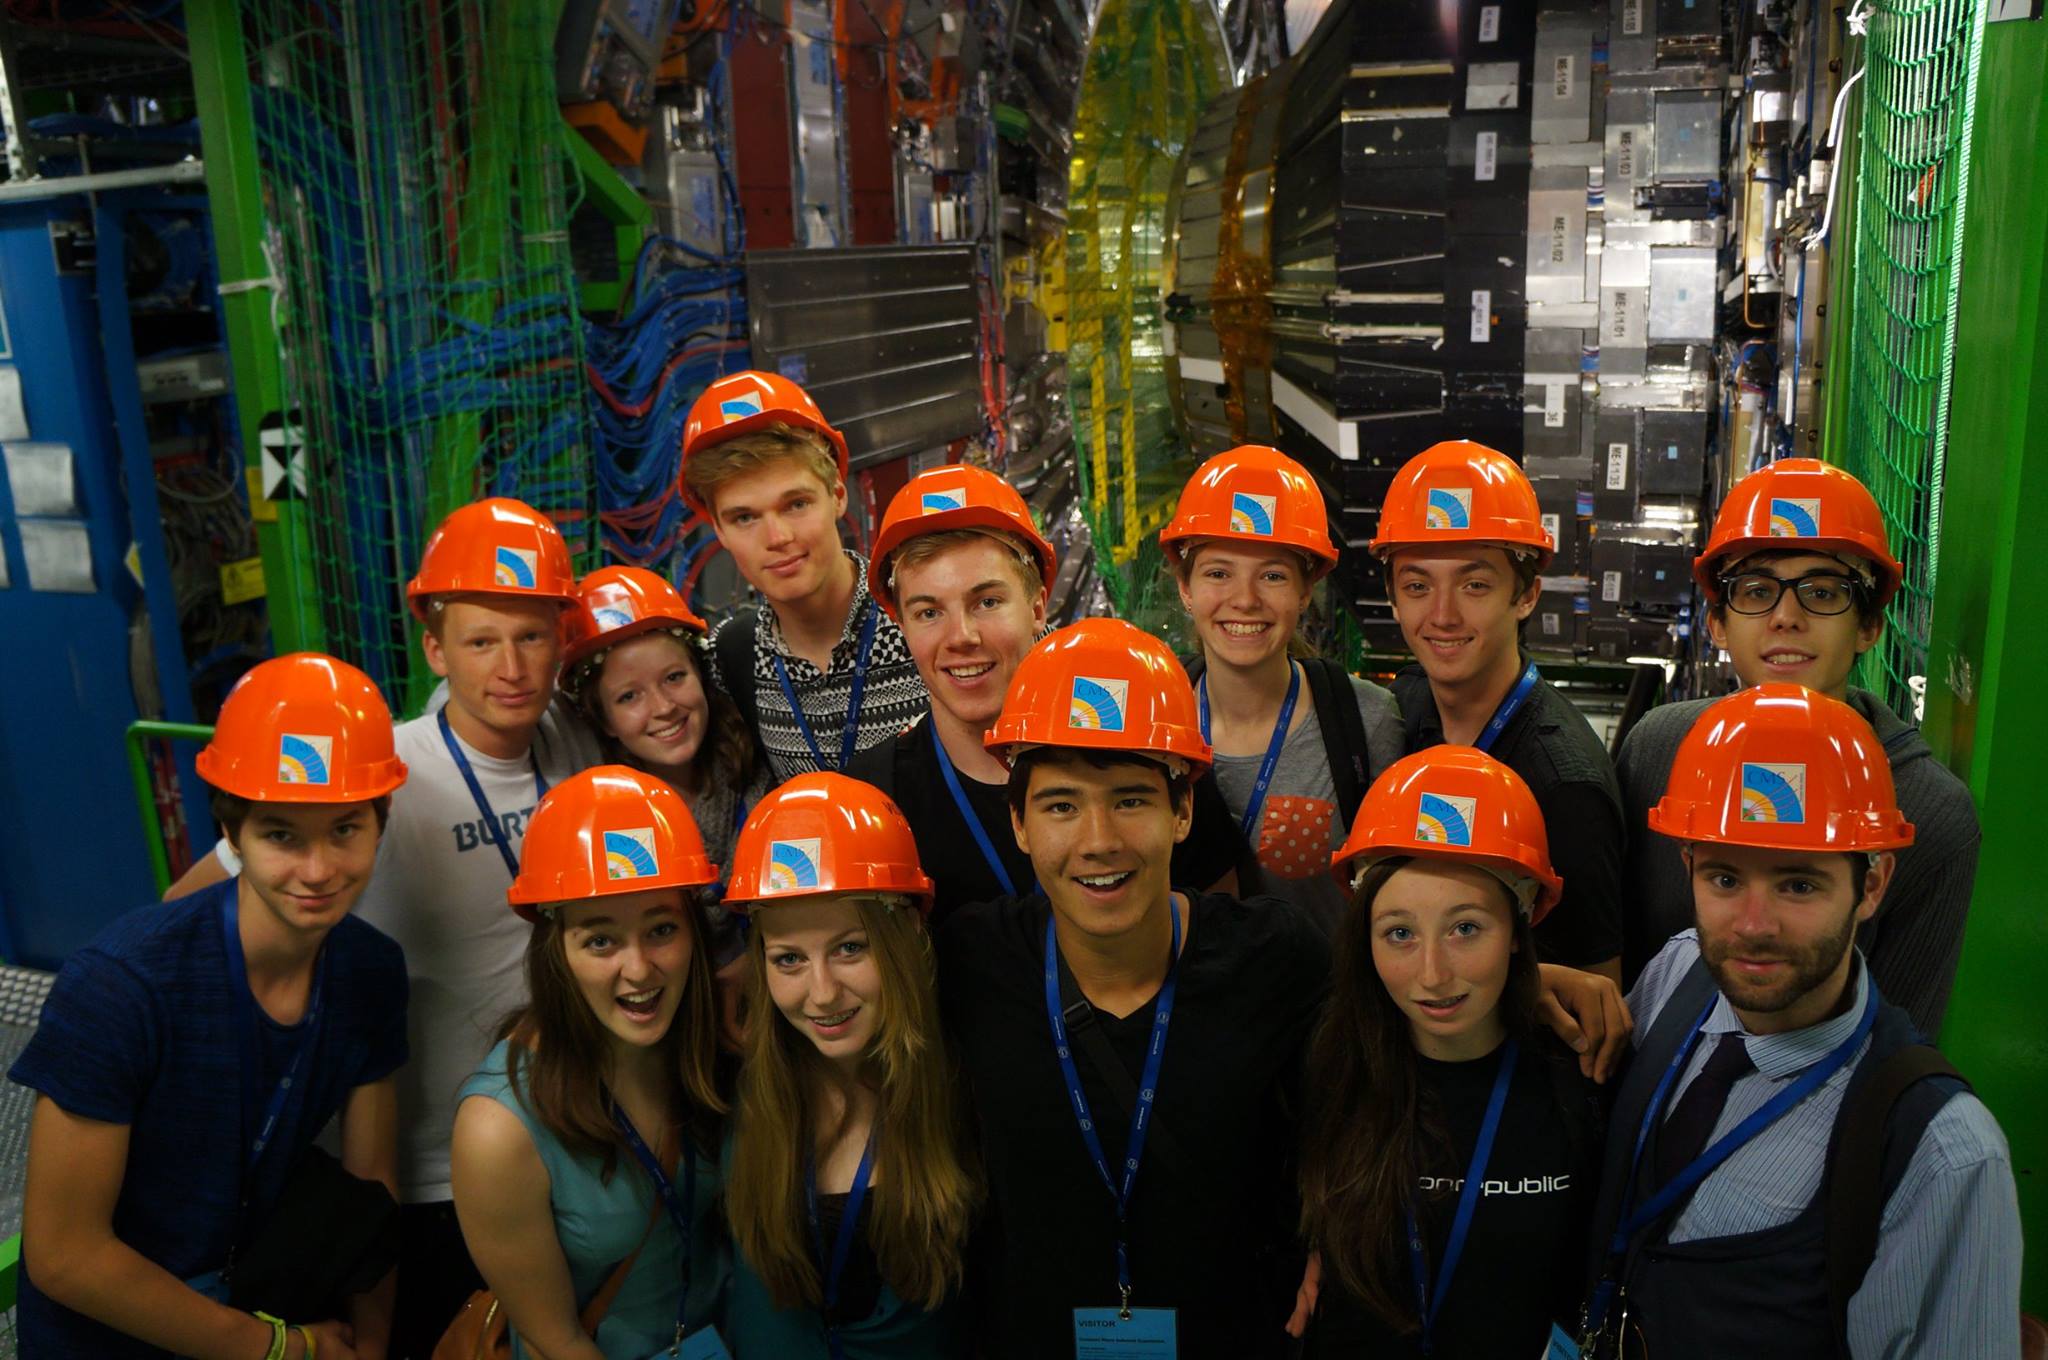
(1819, 592)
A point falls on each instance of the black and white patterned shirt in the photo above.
(894, 695)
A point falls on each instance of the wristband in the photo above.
(278, 1333)
(312, 1346)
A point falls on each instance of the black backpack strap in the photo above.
(1875, 1137)
(736, 666)
(1344, 743)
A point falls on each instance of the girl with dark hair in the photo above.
(585, 1145)
(1452, 1146)
(850, 1191)
(632, 659)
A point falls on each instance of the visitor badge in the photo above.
(1106, 1334)
(1560, 1346)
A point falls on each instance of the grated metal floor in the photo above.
(21, 1002)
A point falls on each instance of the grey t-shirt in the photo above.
(1301, 825)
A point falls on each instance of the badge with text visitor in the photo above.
(1108, 1334)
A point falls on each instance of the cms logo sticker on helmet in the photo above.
(515, 568)
(740, 407)
(630, 854)
(1442, 819)
(793, 865)
(1773, 793)
(1251, 514)
(1098, 705)
(1450, 507)
(935, 501)
(610, 616)
(1794, 518)
(304, 759)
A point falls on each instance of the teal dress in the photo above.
(756, 1329)
(599, 1223)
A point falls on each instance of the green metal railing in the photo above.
(140, 734)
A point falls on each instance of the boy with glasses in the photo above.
(1796, 577)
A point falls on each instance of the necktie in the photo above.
(1691, 1122)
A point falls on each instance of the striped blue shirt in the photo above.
(1946, 1281)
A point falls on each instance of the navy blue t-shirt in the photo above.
(139, 1029)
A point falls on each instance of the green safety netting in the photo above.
(1152, 66)
(1910, 181)
(416, 189)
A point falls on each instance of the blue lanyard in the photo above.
(252, 1039)
(1148, 1089)
(967, 815)
(842, 1244)
(1257, 802)
(853, 700)
(1631, 1221)
(1509, 706)
(681, 1208)
(1428, 1302)
(476, 791)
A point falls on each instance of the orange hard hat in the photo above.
(1102, 685)
(824, 833)
(303, 728)
(606, 831)
(1462, 492)
(497, 546)
(955, 497)
(1782, 767)
(616, 603)
(1798, 503)
(1257, 495)
(739, 403)
(1455, 803)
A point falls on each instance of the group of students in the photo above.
(882, 975)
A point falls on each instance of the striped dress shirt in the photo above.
(1946, 1281)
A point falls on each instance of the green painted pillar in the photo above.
(1988, 654)
(234, 189)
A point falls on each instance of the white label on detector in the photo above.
(1489, 23)
(1617, 467)
(1550, 625)
(1482, 315)
(1631, 17)
(1553, 406)
(1610, 586)
(1550, 523)
(1485, 155)
(1561, 77)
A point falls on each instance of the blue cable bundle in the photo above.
(684, 326)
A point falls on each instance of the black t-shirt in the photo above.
(1213, 1210)
(1524, 1258)
(1554, 749)
(906, 767)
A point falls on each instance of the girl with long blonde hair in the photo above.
(849, 1190)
